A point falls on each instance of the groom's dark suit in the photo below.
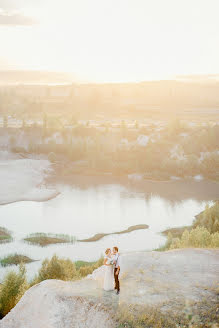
(117, 269)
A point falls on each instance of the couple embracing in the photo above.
(112, 269)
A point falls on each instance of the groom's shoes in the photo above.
(118, 291)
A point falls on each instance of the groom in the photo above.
(116, 269)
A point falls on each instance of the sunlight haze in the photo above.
(101, 41)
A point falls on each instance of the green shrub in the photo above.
(57, 268)
(84, 271)
(197, 237)
(88, 269)
(13, 287)
(209, 218)
(15, 284)
(215, 240)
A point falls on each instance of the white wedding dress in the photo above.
(108, 276)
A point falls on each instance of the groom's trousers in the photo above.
(116, 277)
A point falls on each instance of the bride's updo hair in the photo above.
(107, 251)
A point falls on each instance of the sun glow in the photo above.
(123, 40)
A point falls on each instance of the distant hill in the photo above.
(63, 93)
(35, 77)
(43, 77)
(199, 77)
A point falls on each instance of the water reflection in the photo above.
(85, 212)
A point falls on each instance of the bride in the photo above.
(108, 276)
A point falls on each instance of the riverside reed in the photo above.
(15, 259)
(5, 235)
(45, 239)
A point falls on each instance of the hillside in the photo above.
(175, 280)
(34, 93)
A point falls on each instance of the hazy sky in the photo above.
(111, 40)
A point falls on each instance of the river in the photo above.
(83, 211)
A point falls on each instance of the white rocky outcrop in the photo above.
(151, 278)
(51, 304)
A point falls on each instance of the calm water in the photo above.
(85, 212)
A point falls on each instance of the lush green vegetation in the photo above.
(203, 233)
(176, 232)
(5, 235)
(176, 149)
(88, 268)
(15, 259)
(57, 268)
(12, 289)
(45, 239)
(209, 218)
(197, 237)
(65, 269)
(15, 284)
(79, 264)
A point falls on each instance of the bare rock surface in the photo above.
(151, 278)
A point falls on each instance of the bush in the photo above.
(85, 270)
(215, 240)
(57, 268)
(13, 287)
(197, 237)
(209, 218)
(15, 284)
(88, 269)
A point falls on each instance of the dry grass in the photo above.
(204, 314)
